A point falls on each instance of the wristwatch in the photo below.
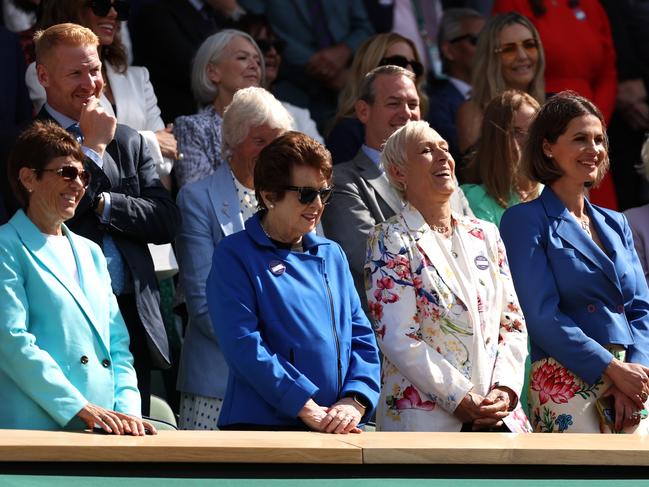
(360, 400)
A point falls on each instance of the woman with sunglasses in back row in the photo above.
(580, 56)
(300, 351)
(128, 93)
(509, 56)
(347, 134)
(64, 347)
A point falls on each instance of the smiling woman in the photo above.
(300, 351)
(442, 303)
(48, 279)
(587, 305)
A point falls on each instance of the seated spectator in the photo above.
(579, 281)
(128, 94)
(211, 209)
(225, 62)
(347, 135)
(64, 358)
(321, 38)
(639, 218)
(442, 303)
(458, 37)
(300, 351)
(272, 46)
(509, 56)
(125, 207)
(387, 99)
(500, 183)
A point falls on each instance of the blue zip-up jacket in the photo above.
(291, 327)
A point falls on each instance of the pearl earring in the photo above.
(271, 206)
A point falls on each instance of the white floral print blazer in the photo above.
(442, 334)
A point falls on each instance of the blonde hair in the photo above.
(395, 150)
(643, 167)
(45, 41)
(367, 57)
(487, 79)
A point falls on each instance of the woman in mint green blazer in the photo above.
(495, 167)
(64, 357)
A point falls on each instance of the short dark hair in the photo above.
(366, 91)
(35, 148)
(274, 166)
(550, 123)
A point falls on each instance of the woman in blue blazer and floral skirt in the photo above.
(64, 357)
(300, 351)
(579, 281)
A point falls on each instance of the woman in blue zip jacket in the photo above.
(301, 353)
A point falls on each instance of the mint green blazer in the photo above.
(62, 344)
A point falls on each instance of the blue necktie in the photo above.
(75, 130)
(114, 259)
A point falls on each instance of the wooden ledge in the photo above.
(177, 446)
(316, 448)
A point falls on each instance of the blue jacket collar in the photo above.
(310, 240)
(569, 230)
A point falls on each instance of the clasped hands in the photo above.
(341, 418)
(485, 412)
(630, 391)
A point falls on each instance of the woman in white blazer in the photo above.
(442, 303)
(64, 348)
(128, 94)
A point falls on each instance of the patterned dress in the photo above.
(446, 318)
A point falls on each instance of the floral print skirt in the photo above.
(561, 402)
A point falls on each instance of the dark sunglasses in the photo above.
(471, 38)
(307, 195)
(71, 173)
(403, 62)
(101, 8)
(265, 45)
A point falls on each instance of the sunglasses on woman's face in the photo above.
(265, 45)
(403, 62)
(101, 8)
(510, 51)
(71, 173)
(307, 195)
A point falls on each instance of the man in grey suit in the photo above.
(363, 196)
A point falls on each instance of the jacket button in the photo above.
(591, 308)
(620, 308)
(105, 363)
(83, 359)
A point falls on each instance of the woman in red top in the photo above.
(579, 56)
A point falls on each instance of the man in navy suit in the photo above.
(458, 35)
(125, 206)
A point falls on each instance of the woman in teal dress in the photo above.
(497, 182)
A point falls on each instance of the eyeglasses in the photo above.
(265, 45)
(307, 195)
(510, 50)
(403, 62)
(471, 38)
(101, 8)
(71, 173)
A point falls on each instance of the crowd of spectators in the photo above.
(327, 181)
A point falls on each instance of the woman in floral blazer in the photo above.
(442, 303)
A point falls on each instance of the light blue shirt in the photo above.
(374, 155)
(65, 122)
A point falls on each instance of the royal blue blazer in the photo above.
(577, 298)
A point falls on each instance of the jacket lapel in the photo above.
(567, 227)
(435, 254)
(117, 86)
(35, 243)
(225, 202)
(379, 181)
